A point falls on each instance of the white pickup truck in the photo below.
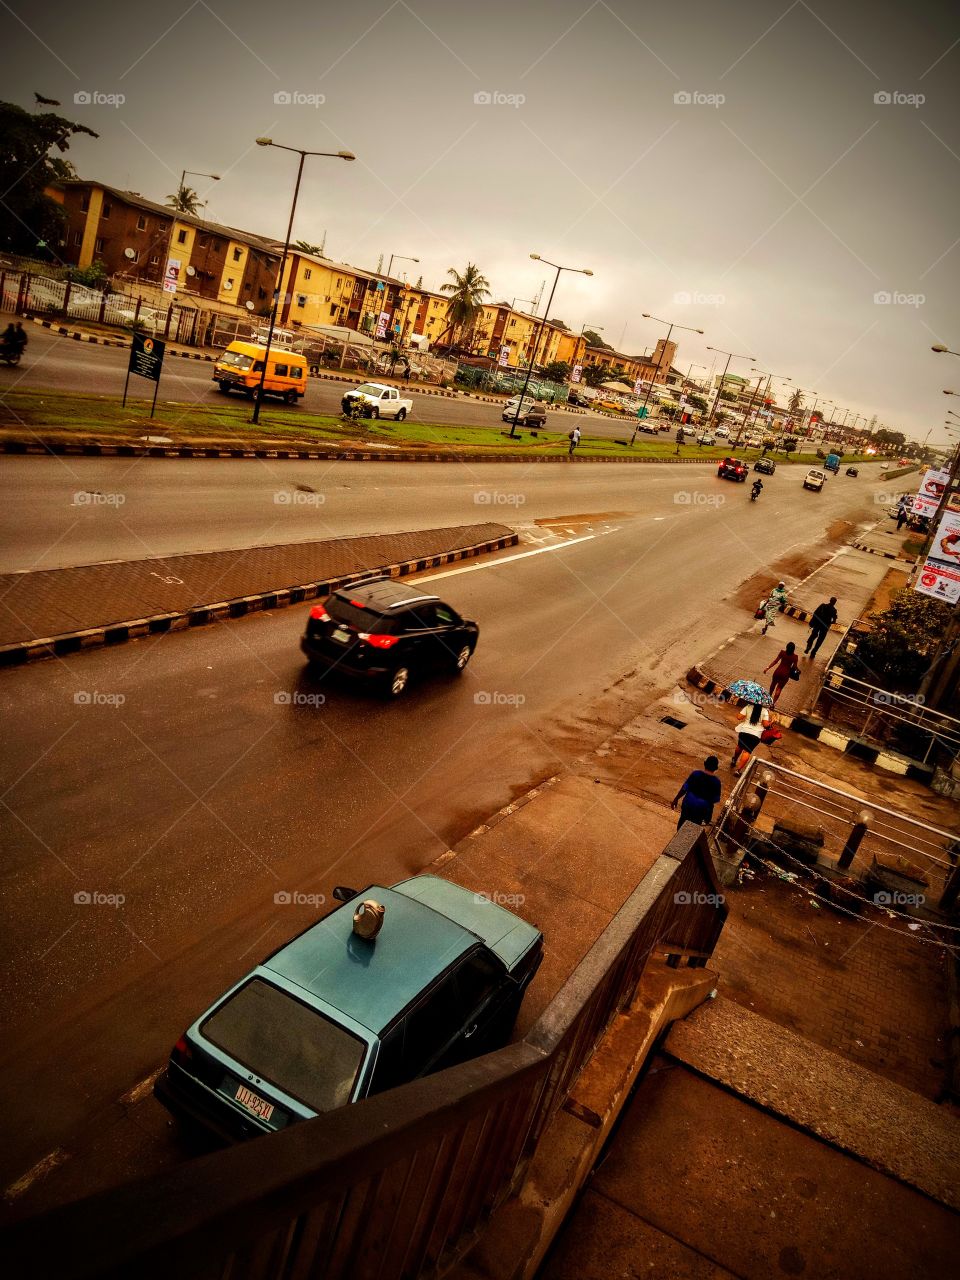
(377, 400)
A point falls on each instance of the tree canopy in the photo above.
(30, 221)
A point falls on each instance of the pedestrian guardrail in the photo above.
(902, 721)
(398, 1185)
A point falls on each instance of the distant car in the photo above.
(706, 439)
(578, 398)
(377, 400)
(814, 479)
(732, 469)
(388, 633)
(765, 465)
(335, 1016)
(753, 442)
(532, 412)
(852, 471)
(722, 433)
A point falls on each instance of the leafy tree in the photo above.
(789, 445)
(895, 654)
(697, 402)
(304, 246)
(594, 375)
(467, 291)
(593, 339)
(184, 200)
(30, 220)
(795, 404)
(95, 276)
(557, 371)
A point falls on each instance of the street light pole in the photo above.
(536, 340)
(723, 377)
(193, 174)
(339, 155)
(671, 325)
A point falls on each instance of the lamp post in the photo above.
(944, 350)
(723, 377)
(400, 257)
(594, 328)
(193, 174)
(584, 271)
(769, 377)
(671, 325)
(337, 155)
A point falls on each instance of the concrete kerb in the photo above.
(71, 642)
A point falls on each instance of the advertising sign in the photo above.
(504, 355)
(171, 277)
(638, 387)
(940, 575)
(931, 490)
(577, 373)
(383, 322)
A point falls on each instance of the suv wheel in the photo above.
(462, 658)
(397, 682)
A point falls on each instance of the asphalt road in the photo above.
(52, 362)
(83, 510)
(199, 774)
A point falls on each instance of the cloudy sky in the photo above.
(784, 175)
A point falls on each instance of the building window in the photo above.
(261, 294)
(78, 237)
(85, 202)
(301, 299)
(308, 274)
(98, 245)
(107, 210)
(237, 255)
(181, 237)
(141, 223)
(136, 256)
(155, 259)
(333, 309)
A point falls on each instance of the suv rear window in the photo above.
(362, 619)
(288, 1043)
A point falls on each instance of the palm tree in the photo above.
(467, 292)
(796, 403)
(186, 200)
(307, 247)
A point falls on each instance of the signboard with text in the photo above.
(171, 276)
(931, 489)
(940, 575)
(146, 361)
(383, 322)
(504, 355)
(577, 373)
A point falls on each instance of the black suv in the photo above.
(732, 469)
(387, 632)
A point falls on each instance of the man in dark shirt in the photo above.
(699, 794)
(824, 616)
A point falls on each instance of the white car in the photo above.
(722, 433)
(381, 401)
(706, 439)
(814, 479)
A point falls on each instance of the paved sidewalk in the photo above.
(79, 604)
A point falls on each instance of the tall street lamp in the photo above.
(769, 376)
(400, 257)
(594, 328)
(584, 271)
(723, 377)
(336, 155)
(671, 325)
(944, 350)
(183, 175)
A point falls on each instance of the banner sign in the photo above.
(930, 492)
(171, 276)
(577, 373)
(940, 575)
(504, 355)
(382, 324)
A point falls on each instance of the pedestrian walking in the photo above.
(748, 731)
(406, 373)
(574, 437)
(770, 607)
(698, 794)
(786, 663)
(903, 512)
(823, 618)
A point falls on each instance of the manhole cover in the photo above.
(672, 720)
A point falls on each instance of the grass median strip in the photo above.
(59, 417)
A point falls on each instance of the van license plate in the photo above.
(257, 1105)
(342, 635)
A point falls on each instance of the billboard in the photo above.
(940, 574)
(171, 276)
(577, 373)
(504, 355)
(931, 489)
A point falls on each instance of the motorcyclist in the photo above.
(19, 339)
(8, 340)
(757, 487)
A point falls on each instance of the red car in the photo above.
(732, 469)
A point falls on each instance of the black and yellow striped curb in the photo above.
(71, 642)
(79, 335)
(886, 555)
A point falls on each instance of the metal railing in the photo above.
(901, 721)
(856, 830)
(398, 1185)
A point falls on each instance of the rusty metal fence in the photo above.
(399, 1185)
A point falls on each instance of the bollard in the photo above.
(857, 832)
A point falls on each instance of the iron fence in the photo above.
(399, 1184)
(900, 721)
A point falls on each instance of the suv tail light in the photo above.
(182, 1053)
(320, 613)
(378, 641)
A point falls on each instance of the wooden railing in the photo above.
(401, 1184)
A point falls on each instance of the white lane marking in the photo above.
(140, 1090)
(39, 1170)
(493, 564)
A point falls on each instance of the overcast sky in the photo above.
(770, 208)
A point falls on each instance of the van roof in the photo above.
(257, 348)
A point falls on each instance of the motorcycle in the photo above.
(10, 355)
(755, 491)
